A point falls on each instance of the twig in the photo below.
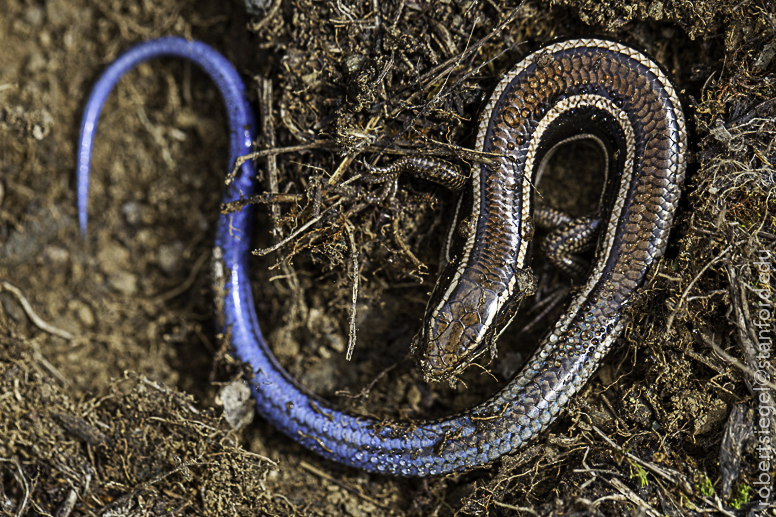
(689, 287)
(705, 360)
(23, 481)
(330, 146)
(258, 26)
(515, 508)
(271, 152)
(265, 198)
(633, 497)
(37, 320)
(420, 266)
(735, 362)
(364, 393)
(50, 367)
(301, 229)
(268, 131)
(354, 292)
(68, 504)
(672, 476)
(434, 73)
(646, 464)
(444, 70)
(345, 163)
(261, 457)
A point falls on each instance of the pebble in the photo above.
(238, 406)
(133, 212)
(56, 255)
(169, 257)
(123, 282)
(82, 311)
(113, 257)
(34, 15)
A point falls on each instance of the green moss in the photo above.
(740, 496)
(638, 472)
(704, 486)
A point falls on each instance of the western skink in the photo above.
(589, 86)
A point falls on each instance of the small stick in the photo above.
(301, 229)
(354, 295)
(37, 320)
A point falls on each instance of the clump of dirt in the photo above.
(157, 452)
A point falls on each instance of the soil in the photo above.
(111, 368)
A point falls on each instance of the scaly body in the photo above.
(612, 91)
(578, 88)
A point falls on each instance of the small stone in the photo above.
(133, 212)
(285, 344)
(56, 255)
(145, 237)
(169, 257)
(123, 282)
(83, 311)
(34, 15)
(36, 63)
(113, 257)
(766, 56)
(86, 316)
(238, 408)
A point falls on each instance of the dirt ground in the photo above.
(110, 366)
